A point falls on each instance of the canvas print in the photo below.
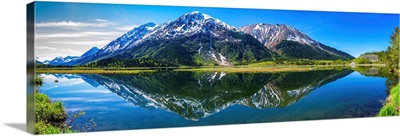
(101, 67)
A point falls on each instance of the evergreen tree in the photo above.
(394, 50)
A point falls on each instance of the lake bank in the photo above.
(392, 106)
(249, 69)
(93, 71)
(237, 69)
(50, 116)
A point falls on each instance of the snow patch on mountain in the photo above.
(127, 39)
(272, 34)
(61, 60)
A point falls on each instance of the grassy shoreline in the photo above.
(238, 69)
(392, 105)
(50, 116)
(93, 71)
(249, 69)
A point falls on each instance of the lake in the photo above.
(175, 99)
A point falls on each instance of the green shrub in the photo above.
(46, 128)
(47, 111)
(50, 117)
(38, 80)
(362, 61)
(41, 98)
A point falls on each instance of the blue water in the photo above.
(117, 102)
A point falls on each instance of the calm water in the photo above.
(171, 99)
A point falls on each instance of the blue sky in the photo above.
(71, 29)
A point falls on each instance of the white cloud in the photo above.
(127, 28)
(55, 49)
(67, 24)
(62, 38)
(45, 47)
(70, 51)
(78, 34)
(97, 42)
(100, 20)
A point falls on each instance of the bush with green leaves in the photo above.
(361, 60)
(38, 80)
(51, 117)
(51, 112)
(47, 128)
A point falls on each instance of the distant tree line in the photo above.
(382, 57)
(52, 66)
(141, 62)
(310, 62)
(361, 60)
(391, 55)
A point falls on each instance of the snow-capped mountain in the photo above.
(90, 52)
(61, 60)
(199, 39)
(271, 35)
(46, 62)
(71, 60)
(189, 24)
(193, 36)
(126, 40)
(41, 63)
(274, 37)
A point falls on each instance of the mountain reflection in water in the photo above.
(198, 95)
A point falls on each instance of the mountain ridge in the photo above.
(69, 60)
(273, 35)
(196, 38)
(195, 32)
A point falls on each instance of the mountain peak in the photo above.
(196, 21)
(147, 25)
(71, 57)
(62, 60)
(46, 62)
(150, 24)
(194, 16)
(90, 52)
(278, 37)
(94, 48)
(198, 14)
(58, 57)
(194, 12)
(272, 34)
